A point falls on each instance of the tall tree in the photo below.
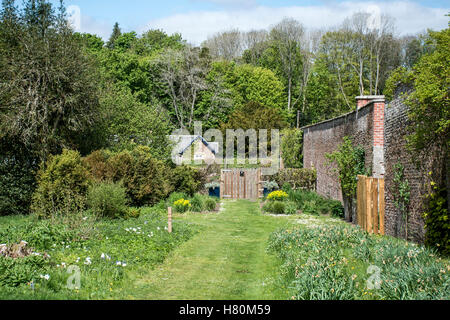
(49, 88)
(116, 33)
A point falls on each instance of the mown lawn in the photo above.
(226, 260)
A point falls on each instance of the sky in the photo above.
(196, 20)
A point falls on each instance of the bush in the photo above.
(277, 196)
(437, 225)
(108, 200)
(297, 178)
(292, 148)
(62, 185)
(182, 205)
(17, 181)
(145, 178)
(175, 196)
(280, 207)
(188, 180)
(198, 203)
(310, 202)
(210, 204)
(287, 187)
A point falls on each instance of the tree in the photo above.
(286, 37)
(49, 84)
(116, 33)
(183, 74)
(226, 45)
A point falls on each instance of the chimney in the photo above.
(379, 103)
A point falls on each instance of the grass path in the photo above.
(226, 260)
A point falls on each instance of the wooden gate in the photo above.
(241, 184)
(370, 204)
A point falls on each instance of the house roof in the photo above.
(186, 141)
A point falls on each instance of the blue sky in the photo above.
(198, 19)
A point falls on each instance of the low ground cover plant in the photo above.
(59, 252)
(198, 203)
(341, 262)
(310, 202)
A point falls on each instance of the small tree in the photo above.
(350, 162)
(292, 148)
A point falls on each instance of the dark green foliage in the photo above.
(297, 178)
(280, 207)
(401, 193)
(63, 182)
(17, 179)
(49, 92)
(210, 204)
(188, 180)
(310, 202)
(437, 222)
(292, 148)
(114, 36)
(108, 200)
(14, 272)
(198, 203)
(146, 179)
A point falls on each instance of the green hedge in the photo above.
(297, 178)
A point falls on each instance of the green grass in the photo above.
(226, 260)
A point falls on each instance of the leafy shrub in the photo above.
(182, 205)
(337, 209)
(277, 196)
(133, 213)
(17, 180)
(108, 200)
(292, 148)
(210, 204)
(310, 202)
(175, 196)
(270, 185)
(298, 178)
(198, 203)
(145, 178)
(62, 185)
(287, 187)
(188, 180)
(15, 272)
(437, 222)
(279, 207)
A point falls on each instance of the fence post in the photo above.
(170, 220)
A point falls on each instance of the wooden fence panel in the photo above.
(370, 204)
(240, 184)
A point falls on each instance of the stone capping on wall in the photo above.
(346, 115)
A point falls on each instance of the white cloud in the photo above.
(196, 26)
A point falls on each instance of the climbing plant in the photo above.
(401, 193)
(350, 161)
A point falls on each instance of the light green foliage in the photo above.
(332, 263)
(62, 185)
(136, 243)
(350, 163)
(128, 122)
(108, 200)
(249, 83)
(292, 148)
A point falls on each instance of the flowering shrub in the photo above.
(277, 196)
(182, 205)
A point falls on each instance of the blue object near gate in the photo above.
(214, 192)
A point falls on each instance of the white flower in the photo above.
(67, 247)
(102, 256)
(85, 218)
(158, 228)
(88, 261)
(63, 264)
(78, 260)
(46, 277)
(124, 264)
(118, 263)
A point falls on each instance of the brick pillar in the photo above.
(378, 131)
